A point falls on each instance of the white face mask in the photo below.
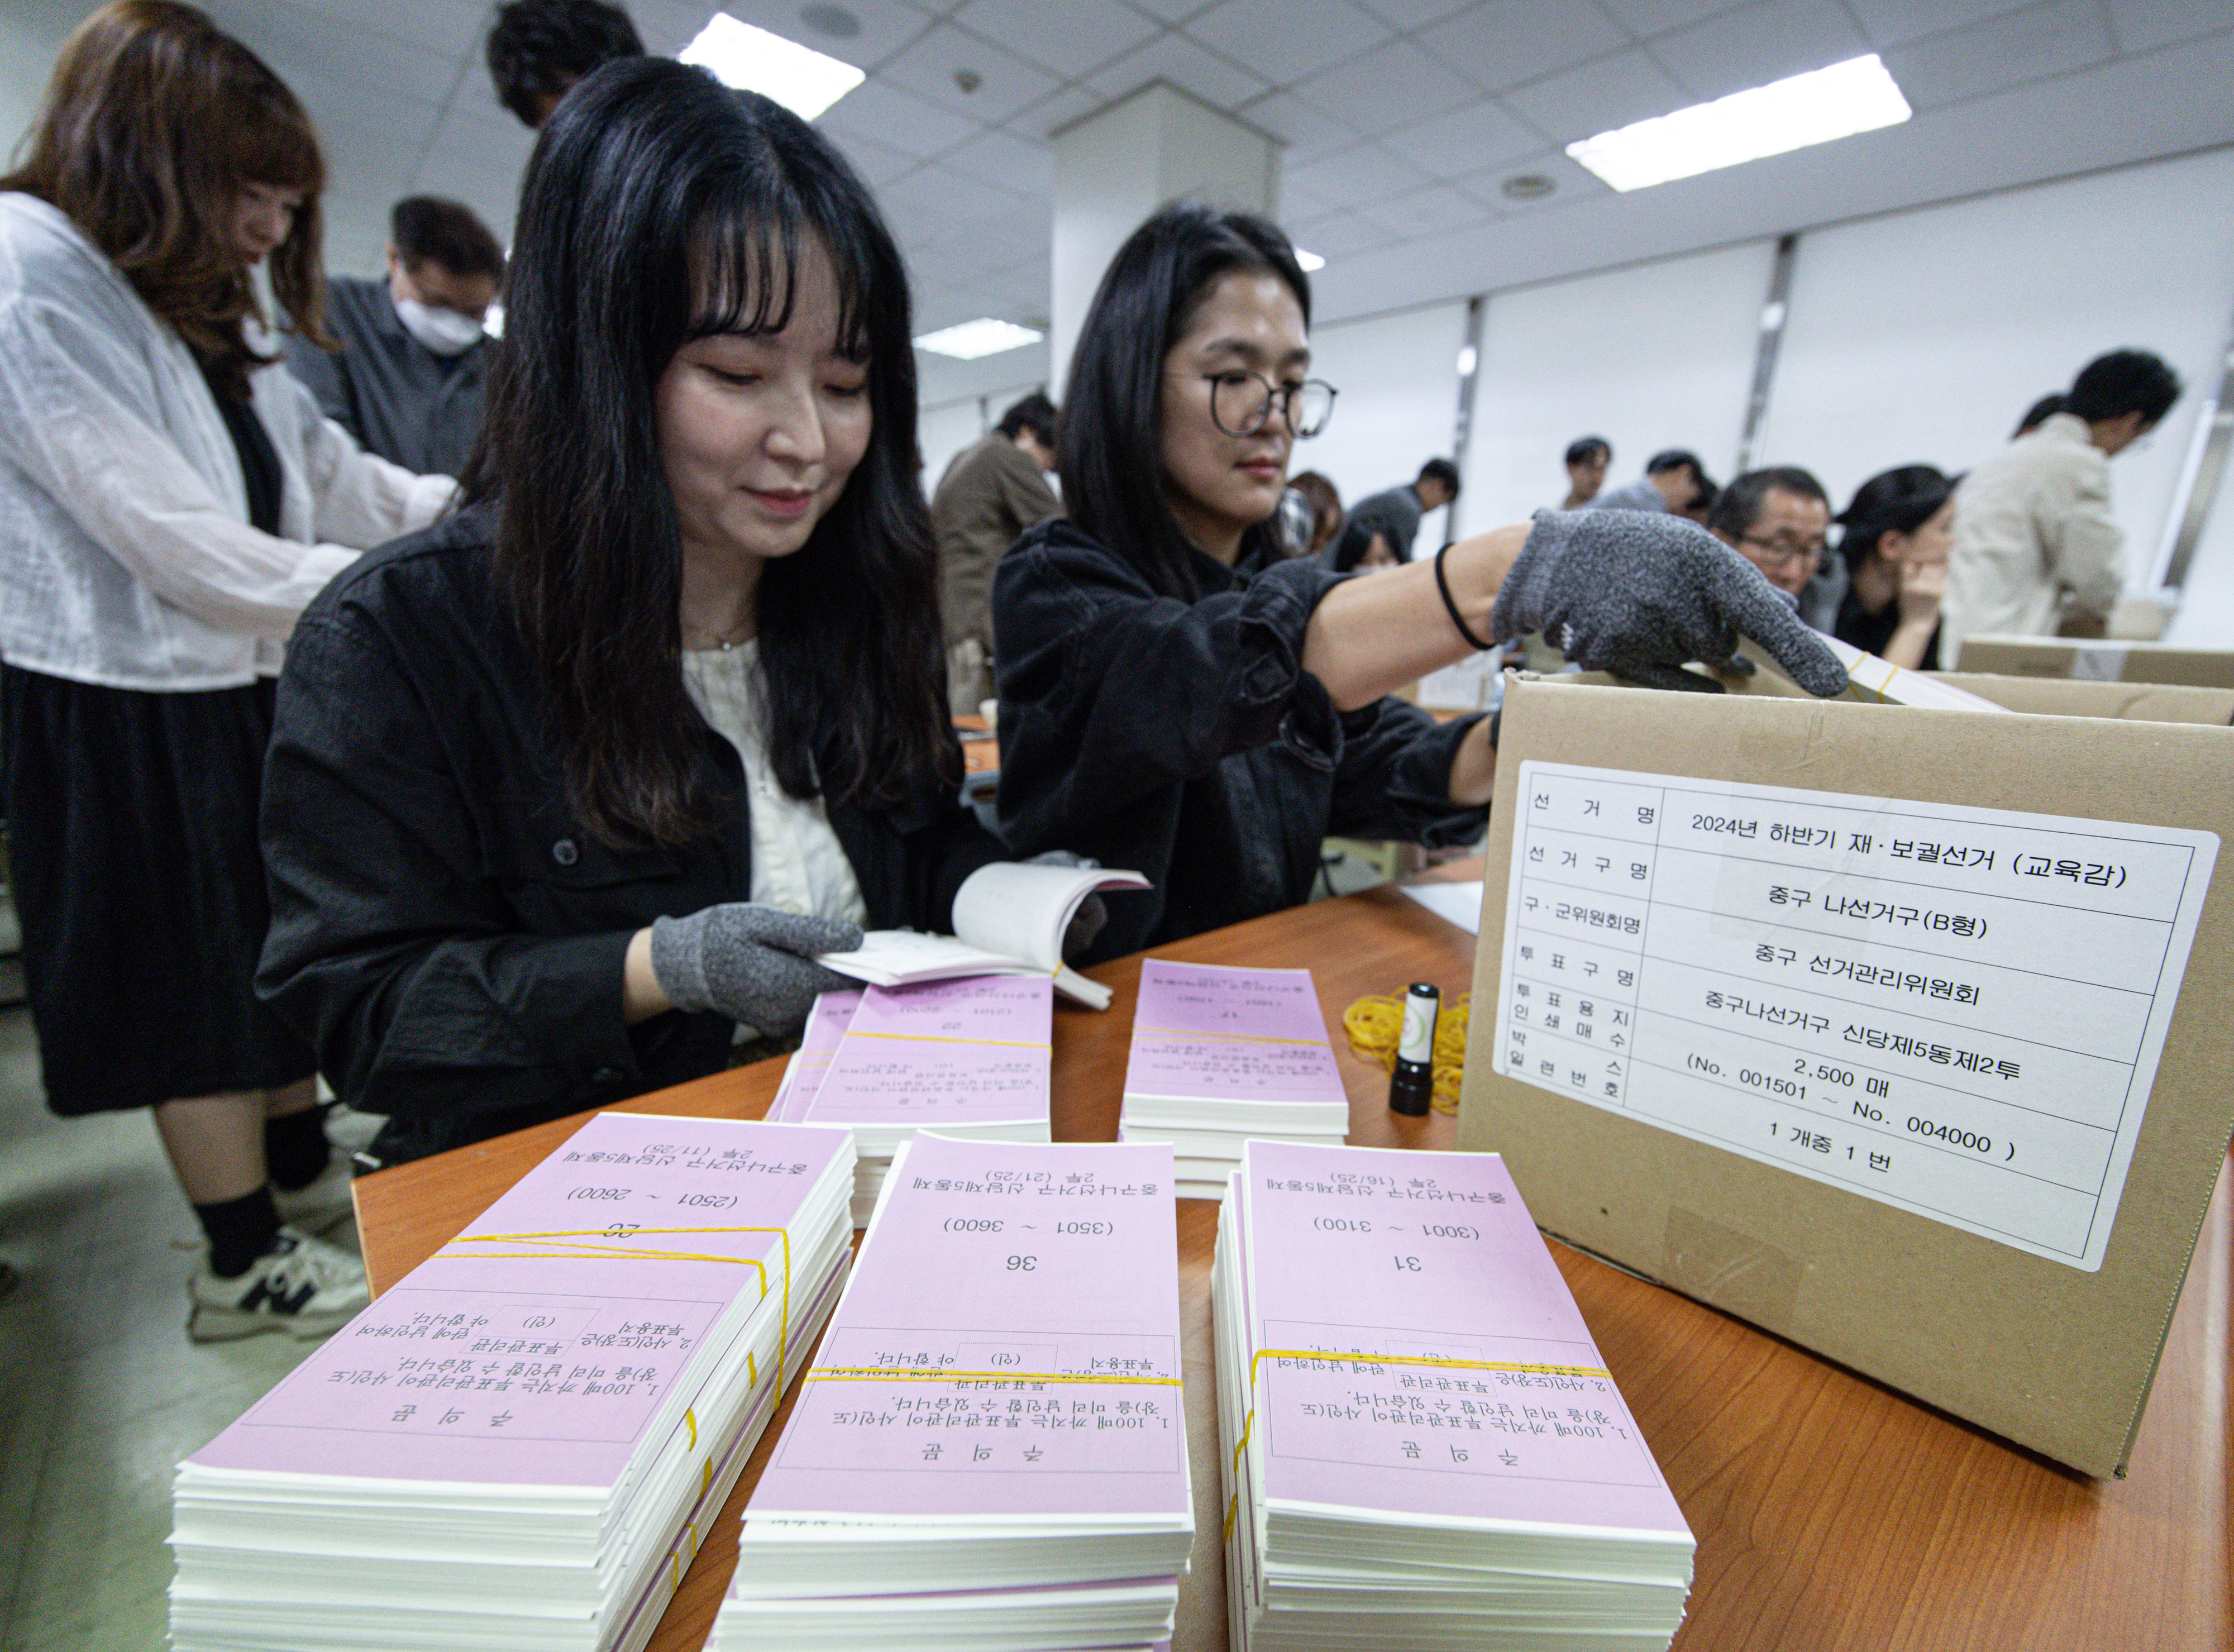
(444, 331)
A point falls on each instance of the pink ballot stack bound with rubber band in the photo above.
(1422, 1445)
(1220, 1056)
(966, 1058)
(989, 1450)
(521, 1443)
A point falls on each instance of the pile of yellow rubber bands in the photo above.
(1376, 1024)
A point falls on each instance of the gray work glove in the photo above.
(755, 964)
(1093, 912)
(1639, 593)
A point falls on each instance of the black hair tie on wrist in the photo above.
(1457, 619)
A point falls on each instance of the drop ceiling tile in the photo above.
(1424, 212)
(1388, 86)
(1891, 23)
(941, 189)
(1353, 176)
(1305, 130)
(279, 33)
(902, 119)
(1574, 183)
(2144, 25)
(1413, 14)
(1186, 65)
(1464, 140)
(1050, 114)
(1644, 18)
(469, 139)
(1281, 44)
(886, 27)
(346, 110)
(439, 25)
(999, 157)
(877, 162)
(1598, 97)
(1297, 203)
(2042, 42)
(1006, 83)
(1070, 40)
(1506, 43)
(1758, 44)
(668, 26)
(1338, 235)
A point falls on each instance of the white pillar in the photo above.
(1117, 166)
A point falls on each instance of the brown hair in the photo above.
(153, 122)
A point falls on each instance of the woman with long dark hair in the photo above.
(170, 499)
(1898, 530)
(1177, 697)
(569, 788)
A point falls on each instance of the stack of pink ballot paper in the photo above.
(966, 1058)
(989, 1453)
(1222, 1055)
(521, 1444)
(1423, 1448)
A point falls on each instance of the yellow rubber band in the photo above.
(1243, 1038)
(578, 1246)
(936, 1038)
(873, 1374)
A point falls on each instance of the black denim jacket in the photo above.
(1185, 739)
(444, 931)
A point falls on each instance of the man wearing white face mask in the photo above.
(407, 381)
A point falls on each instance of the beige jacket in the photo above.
(2034, 537)
(991, 492)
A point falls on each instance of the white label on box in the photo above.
(1956, 1011)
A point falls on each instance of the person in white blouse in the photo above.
(170, 499)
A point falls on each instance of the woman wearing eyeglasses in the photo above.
(1179, 699)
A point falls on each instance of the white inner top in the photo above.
(798, 862)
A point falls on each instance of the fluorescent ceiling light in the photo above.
(1309, 261)
(753, 60)
(1857, 95)
(984, 336)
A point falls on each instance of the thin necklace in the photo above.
(729, 639)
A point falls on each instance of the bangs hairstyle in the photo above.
(1899, 500)
(660, 207)
(154, 121)
(1111, 437)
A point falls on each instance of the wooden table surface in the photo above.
(1831, 1513)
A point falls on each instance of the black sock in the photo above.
(296, 1149)
(240, 1229)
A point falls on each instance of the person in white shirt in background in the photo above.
(170, 497)
(2036, 548)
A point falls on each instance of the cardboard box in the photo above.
(2097, 661)
(1708, 1174)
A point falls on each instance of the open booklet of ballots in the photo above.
(1009, 919)
(1422, 1446)
(521, 1443)
(990, 1450)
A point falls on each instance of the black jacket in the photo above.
(444, 931)
(1185, 739)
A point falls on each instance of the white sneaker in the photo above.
(323, 1205)
(301, 1285)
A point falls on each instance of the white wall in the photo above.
(31, 33)
(943, 432)
(1921, 336)
(1398, 381)
(1657, 356)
